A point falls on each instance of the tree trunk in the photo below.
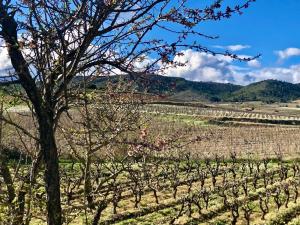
(87, 173)
(5, 173)
(52, 180)
(87, 182)
(19, 216)
(100, 209)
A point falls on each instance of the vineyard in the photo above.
(192, 191)
(252, 138)
(185, 169)
(220, 114)
(132, 113)
(181, 189)
(208, 191)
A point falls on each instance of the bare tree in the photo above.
(50, 42)
(99, 125)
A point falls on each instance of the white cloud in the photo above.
(233, 48)
(290, 74)
(142, 63)
(4, 59)
(287, 53)
(200, 66)
(205, 67)
(254, 63)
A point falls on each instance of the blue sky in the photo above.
(267, 27)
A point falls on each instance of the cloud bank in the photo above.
(205, 67)
(200, 66)
(287, 53)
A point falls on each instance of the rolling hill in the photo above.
(267, 91)
(173, 88)
(180, 89)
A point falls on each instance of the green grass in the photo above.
(186, 119)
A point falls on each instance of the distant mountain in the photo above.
(180, 89)
(174, 88)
